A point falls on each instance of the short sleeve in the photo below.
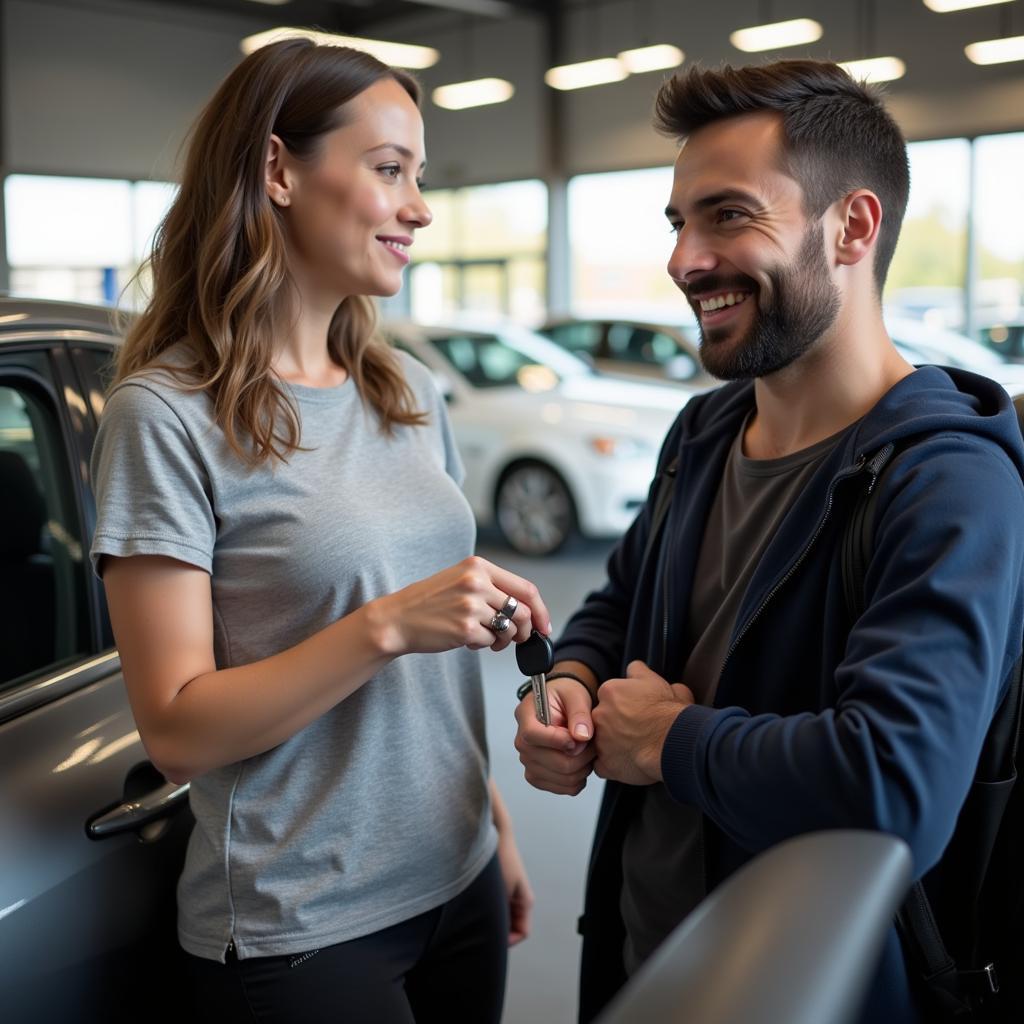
(427, 392)
(152, 489)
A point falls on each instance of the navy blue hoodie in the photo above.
(816, 725)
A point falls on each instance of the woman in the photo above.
(287, 559)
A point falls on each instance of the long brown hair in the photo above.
(837, 134)
(219, 264)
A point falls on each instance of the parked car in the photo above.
(91, 835)
(551, 446)
(918, 343)
(634, 347)
(652, 350)
(1005, 338)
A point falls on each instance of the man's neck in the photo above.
(833, 385)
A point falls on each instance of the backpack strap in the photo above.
(955, 990)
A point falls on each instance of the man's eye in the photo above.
(726, 215)
(674, 229)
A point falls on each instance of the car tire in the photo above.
(534, 509)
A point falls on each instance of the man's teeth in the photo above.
(719, 301)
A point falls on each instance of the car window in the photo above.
(43, 618)
(483, 359)
(576, 337)
(101, 364)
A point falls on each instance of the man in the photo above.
(737, 705)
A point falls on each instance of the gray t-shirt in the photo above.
(378, 810)
(662, 859)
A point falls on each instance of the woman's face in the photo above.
(350, 215)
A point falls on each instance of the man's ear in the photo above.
(860, 218)
(277, 173)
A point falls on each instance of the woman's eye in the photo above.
(390, 170)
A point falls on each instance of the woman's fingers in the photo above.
(509, 584)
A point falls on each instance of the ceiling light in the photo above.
(777, 35)
(652, 58)
(477, 93)
(586, 73)
(945, 6)
(271, 3)
(996, 51)
(401, 55)
(875, 69)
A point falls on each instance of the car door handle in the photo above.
(134, 814)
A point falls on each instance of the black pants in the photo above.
(447, 965)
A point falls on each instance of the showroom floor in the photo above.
(554, 831)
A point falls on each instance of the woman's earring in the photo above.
(281, 200)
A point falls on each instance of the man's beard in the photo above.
(803, 305)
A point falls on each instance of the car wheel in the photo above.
(534, 509)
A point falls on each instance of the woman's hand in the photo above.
(517, 885)
(454, 608)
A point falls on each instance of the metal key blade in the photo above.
(535, 658)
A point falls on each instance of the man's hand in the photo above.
(552, 758)
(631, 722)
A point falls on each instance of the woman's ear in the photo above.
(278, 176)
(860, 217)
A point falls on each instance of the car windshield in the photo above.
(512, 358)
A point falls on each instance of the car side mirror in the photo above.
(444, 386)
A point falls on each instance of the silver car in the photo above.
(634, 347)
(91, 835)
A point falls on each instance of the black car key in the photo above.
(535, 658)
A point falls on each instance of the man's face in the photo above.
(751, 265)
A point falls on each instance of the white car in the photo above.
(550, 445)
(920, 343)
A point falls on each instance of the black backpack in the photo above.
(962, 925)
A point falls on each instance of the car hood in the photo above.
(621, 391)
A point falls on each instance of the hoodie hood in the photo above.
(927, 401)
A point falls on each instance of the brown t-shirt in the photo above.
(662, 860)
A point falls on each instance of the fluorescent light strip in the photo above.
(586, 73)
(401, 55)
(777, 36)
(945, 6)
(996, 51)
(875, 69)
(476, 93)
(651, 58)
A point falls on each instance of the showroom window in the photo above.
(999, 203)
(42, 602)
(926, 277)
(483, 253)
(620, 244)
(81, 239)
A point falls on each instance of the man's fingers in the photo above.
(576, 705)
(682, 693)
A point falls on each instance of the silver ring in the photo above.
(508, 609)
(500, 622)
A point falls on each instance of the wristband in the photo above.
(526, 687)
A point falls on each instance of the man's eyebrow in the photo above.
(716, 199)
(401, 150)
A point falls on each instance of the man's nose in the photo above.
(690, 254)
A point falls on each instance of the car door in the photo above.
(90, 844)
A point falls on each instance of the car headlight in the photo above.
(619, 447)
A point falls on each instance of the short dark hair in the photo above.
(837, 134)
